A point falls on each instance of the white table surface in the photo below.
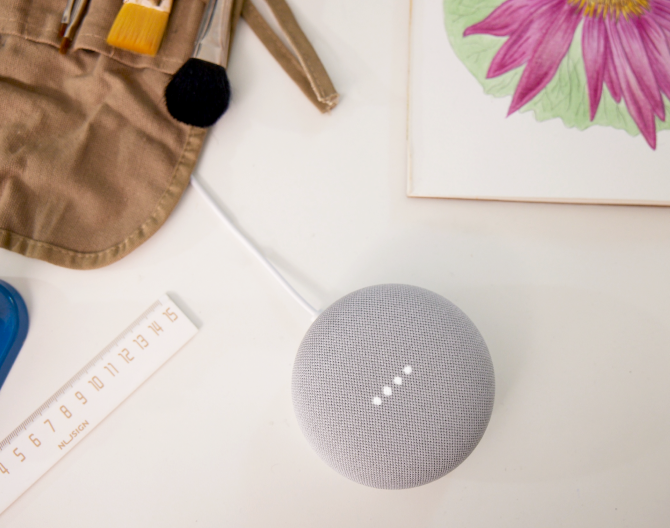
(573, 301)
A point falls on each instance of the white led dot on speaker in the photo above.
(377, 400)
(407, 370)
(397, 380)
(387, 391)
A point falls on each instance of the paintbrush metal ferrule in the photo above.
(76, 17)
(160, 5)
(67, 15)
(213, 38)
(67, 32)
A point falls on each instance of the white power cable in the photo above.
(224, 218)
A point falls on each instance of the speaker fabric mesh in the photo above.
(393, 386)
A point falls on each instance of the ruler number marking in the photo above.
(81, 397)
(172, 317)
(110, 371)
(155, 327)
(65, 411)
(3, 469)
(35, 441)
(19, 454)
(49, 422)
(143, 344)
(97, 383)
(125, 355)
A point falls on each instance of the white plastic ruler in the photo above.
(96, 390)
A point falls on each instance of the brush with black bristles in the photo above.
(199, 92)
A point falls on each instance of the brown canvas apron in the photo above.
(91, 163)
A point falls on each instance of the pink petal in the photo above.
(637, 103)
(520, 46)
(547, 56)
(661, 13)
(516, 51)
(627, 33)
(611, 79)
(656, 45)
(503, 20)
(594, 50)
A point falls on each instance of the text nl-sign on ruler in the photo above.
(96, 390)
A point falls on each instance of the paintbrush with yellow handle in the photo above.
(140, 25)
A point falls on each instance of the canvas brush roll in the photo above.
(91, 163)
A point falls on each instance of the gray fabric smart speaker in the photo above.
(393, 386)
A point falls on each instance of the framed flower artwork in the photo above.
(540, 100)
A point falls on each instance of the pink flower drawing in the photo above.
(624, 47)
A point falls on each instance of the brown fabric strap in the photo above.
(316, 73)
(306, 70)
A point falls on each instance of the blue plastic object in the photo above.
(13, 327)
